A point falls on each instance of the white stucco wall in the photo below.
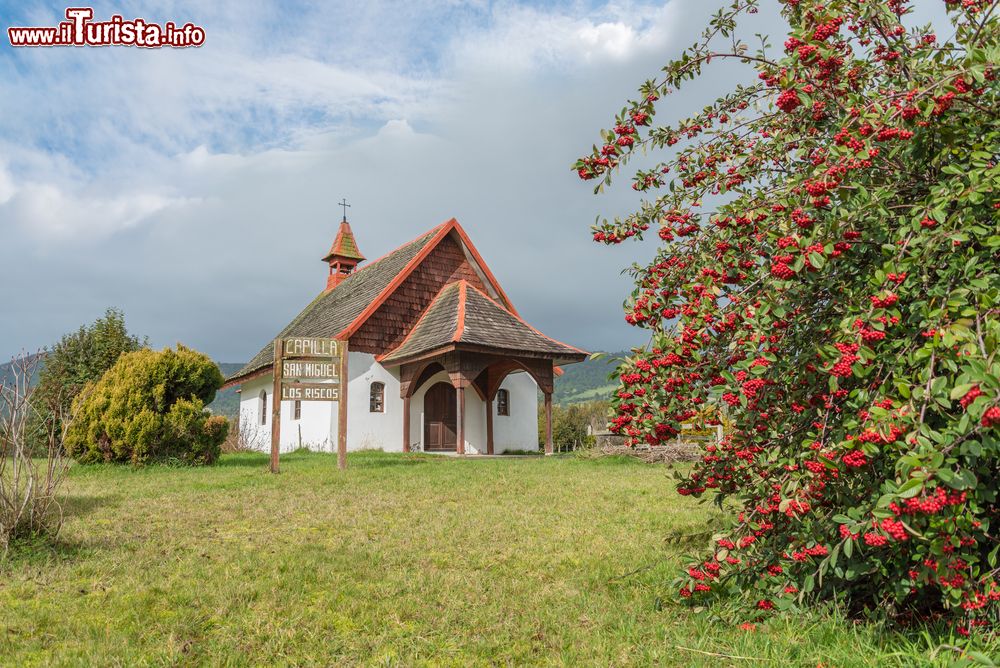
(475, 423)
(257, 435)
(318, 421)
(518, 431)
(367, 430)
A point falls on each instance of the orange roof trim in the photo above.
(460, 320)
(486, 270)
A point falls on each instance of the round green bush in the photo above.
(150, 406)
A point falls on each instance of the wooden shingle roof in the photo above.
(461, 316)
(335, 310)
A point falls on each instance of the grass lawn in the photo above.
(402, 560)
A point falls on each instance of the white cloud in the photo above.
(209, 177)
(7, 189)
(615, 39)
(398, 127)
(52, 216)
(202, 183)
(526, 38)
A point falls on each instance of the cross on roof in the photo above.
(344, 204)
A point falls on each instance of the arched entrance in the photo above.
(440, 423)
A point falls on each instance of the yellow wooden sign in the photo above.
(305, 346)
(304, 358)
(311, 370)
(310, 392)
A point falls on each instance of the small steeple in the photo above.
(344, 255)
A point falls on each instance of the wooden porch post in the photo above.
(406, 423)
(548, 423)
(460, 420)
(489, 424)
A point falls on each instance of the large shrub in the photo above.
(150, 406)
(829, 270)
(79, 358)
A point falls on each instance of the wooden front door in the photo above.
(440, 418)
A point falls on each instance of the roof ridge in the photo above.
(342, 311)
(325, 293)
(453, 320)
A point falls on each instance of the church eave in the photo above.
(557, 358)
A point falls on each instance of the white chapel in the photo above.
(439, 359)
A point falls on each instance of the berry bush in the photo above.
(828, 274)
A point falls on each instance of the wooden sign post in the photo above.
(309, 369)
(276, 404)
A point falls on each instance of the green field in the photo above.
(402, 560)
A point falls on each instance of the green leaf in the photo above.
(910, 488)
(960, 391)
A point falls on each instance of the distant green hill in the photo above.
(7, 370)
(227, 402)
(588, 380)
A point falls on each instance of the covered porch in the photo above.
(465, 345)
(438, 386)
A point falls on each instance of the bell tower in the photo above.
(344, 255)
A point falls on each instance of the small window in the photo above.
(376, 400)
(503, 402)
(297, 410)
(263, 407)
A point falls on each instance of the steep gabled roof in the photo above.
(334, 310)
(338, 313)
(462, 316)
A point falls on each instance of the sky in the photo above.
(196, 189)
